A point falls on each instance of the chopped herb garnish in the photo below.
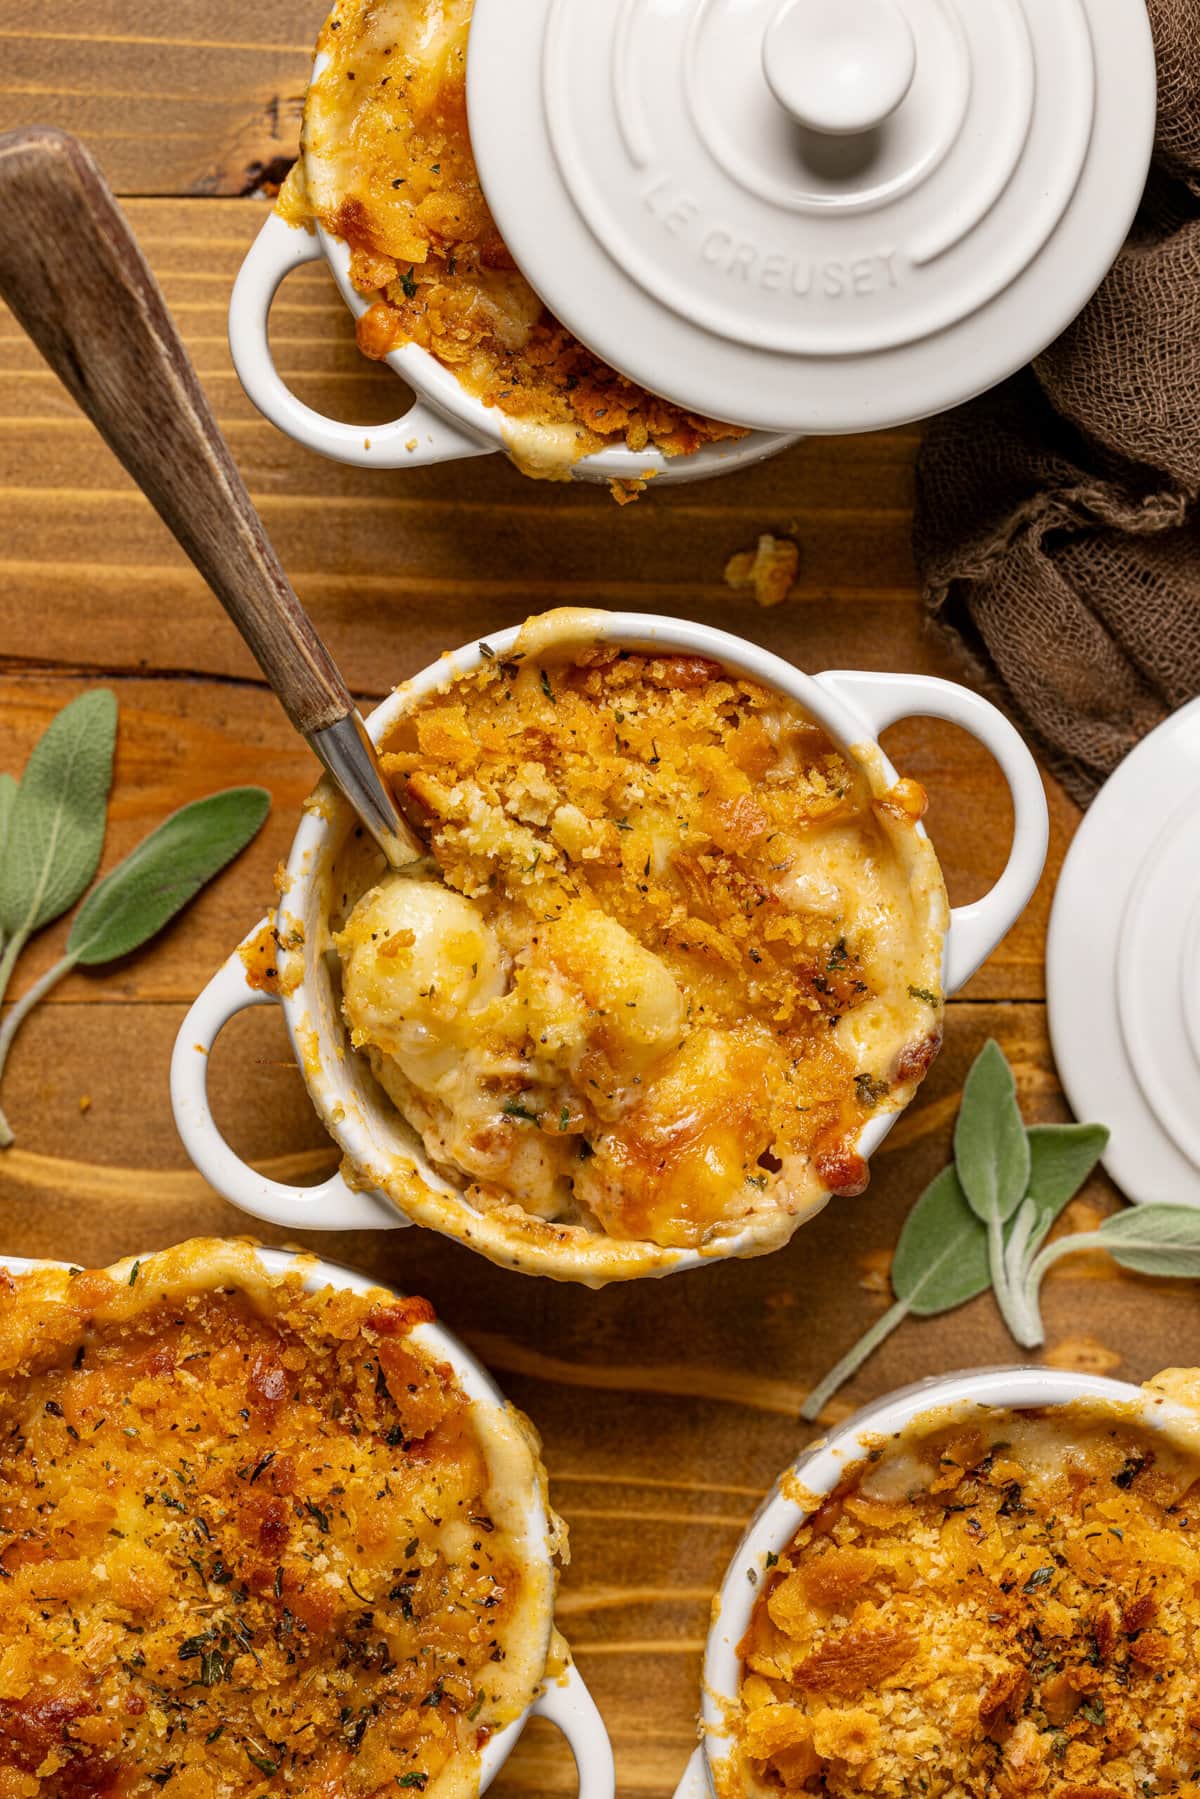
(1129, 1472)
(261, 1467)
(869, 1090)
(213, 1668)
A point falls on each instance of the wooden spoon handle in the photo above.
(72, 272)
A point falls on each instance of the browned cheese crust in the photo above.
(1011, 1612)
(244, 1546)
(682, 898)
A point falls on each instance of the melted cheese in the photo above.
(683, 952)
(251, 1539)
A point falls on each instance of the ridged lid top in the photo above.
(813, 214)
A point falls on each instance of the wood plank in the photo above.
(196, 100)
(659, 1441)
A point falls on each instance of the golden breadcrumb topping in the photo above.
(390, 170)
(1003, 1607)
(245, 1544)
(679, 958)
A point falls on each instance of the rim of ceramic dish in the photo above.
(488, 1404)
(430, 380)
(560, 1251)
(818, 1469)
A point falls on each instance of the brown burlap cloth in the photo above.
(1057, 530)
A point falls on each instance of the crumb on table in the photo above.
(769, 569)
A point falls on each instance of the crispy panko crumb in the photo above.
(1005, 1608)
(244, 1544)
(680, 890)
(407, 199)
(260, 956)
(769, 569)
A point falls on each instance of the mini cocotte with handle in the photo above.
(795, 215)
(818, 1471)
(564, 1699)
(853, 707)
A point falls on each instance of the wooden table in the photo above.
(666, 1409)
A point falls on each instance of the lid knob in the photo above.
(839, 66)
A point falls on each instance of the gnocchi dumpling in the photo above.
(418, 960)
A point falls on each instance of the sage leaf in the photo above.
(138, 897)
(991, 1147)
(941, 1261)
(8, 793)
(941, 1258)
(1061, 1157)
(157, 879)
(58, 814)
(991, 1154)
(1160, 1240)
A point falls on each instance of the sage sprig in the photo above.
(52, 826)
(1061, 1157)
(985, 1221)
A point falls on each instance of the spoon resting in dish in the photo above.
(74, 276)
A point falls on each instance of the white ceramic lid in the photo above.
(816, 215)
(1123, 966)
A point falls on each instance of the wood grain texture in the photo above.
(198, 99)
(666, 1411)
(75, 278)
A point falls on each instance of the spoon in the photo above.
(74, 276)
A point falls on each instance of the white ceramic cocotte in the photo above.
(854, 708)
(795, 215)
(816, 1473)
(565, 1699)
